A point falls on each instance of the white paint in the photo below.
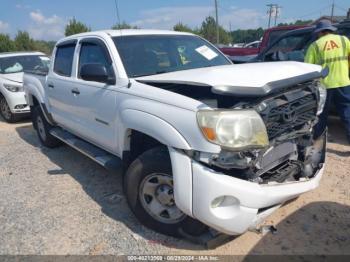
(171, 119)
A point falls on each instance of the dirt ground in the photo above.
(56, 201)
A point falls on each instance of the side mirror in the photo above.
(96, 73)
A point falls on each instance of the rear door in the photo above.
(59, 85)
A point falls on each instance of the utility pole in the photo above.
(217, 22)
(271, 6)
(277, 13)
(332, 14)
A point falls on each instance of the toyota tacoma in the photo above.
(204, 143)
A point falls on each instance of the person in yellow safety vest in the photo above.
(332, 51)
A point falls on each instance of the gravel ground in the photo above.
(57, 201)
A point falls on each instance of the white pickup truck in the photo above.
(205, 143)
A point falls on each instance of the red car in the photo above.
(239, 55)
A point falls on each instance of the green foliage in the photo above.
(76, 27)
(180, 27)
(247, 36)
(6, 44)
(208, 31)
(123, 25)
(45, 47)
(23, 42)
(298, 22)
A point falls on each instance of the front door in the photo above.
(95, 104)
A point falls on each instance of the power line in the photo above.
(315, 12)
(273, 12)
(277, 12)
(270, 13)
(341, 8)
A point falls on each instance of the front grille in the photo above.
(290, 111)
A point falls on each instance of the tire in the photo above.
(148, 187)
(43, 129)
(6, 112)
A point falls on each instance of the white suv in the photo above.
(12, 66)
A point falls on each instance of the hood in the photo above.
(255, 79)
(15, 77)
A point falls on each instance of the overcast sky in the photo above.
(45, 19)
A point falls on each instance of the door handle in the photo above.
(51, 85)
(75, 91)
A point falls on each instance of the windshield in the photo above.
(156, 54)
(17, 64)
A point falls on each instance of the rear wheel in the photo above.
(6, 111)
(149, 188)
(43, 129)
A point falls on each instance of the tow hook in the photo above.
(263, 230)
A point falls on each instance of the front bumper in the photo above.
(246, 204)
(17, 102)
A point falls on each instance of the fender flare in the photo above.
(166, 134)
(43, 107)
(154, 127)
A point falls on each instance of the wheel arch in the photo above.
(34, 101)
(152, 127)
(145, 131)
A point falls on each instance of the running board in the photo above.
(99, 155)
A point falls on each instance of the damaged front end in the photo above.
(291, 152)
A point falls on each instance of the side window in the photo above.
(291, 48)
(64, 60)
(91, 53)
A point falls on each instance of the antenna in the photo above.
(117, 10)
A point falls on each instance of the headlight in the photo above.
(322, 97)
(13, 88)
(234, 129)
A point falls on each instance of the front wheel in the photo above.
(5, 111)
(149, 188)
(43, 129)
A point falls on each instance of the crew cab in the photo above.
(204, 143)
(12, 102)
(249, 52)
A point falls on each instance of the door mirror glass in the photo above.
(96, 73)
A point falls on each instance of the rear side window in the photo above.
(64, 60)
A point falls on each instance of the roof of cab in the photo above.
(124, 32)
(21, 53)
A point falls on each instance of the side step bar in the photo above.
(99, 155)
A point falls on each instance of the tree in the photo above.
(208, 31)
(180, 27)
(23, 42)
(246, 36)
(76, 27)
(298, 22)
(123, 25)
(43, 46)
(6, 44)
